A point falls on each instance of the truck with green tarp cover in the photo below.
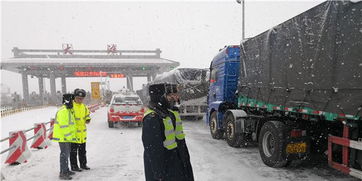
(295, 89)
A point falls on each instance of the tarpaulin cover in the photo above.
(312, 60)
(192, 83)
(182, 76)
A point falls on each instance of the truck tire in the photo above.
(215, 133)
(232, 138)
(272, 144)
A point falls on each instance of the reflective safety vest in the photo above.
(64, 126)
(171, 134)
(81, 114)
(180, 135)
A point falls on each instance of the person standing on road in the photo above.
(161, 132)
(182, 149)
(82, 118)
(64, 133)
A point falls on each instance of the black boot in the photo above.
(76, 169)
(70, 173)
(84, 167)
(64, 176)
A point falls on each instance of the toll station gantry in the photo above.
(66, 62)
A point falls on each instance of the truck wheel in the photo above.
(232, 138)
(110, 124)
(215, 133)
(272, 144)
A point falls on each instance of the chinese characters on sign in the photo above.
(116, 75)
(90, 74)
(112, 49)
(98, 74)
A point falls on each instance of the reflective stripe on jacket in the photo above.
(81, 113)
(170, 137)
(180, 135)
(64, 126)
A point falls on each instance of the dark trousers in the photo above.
(78, 149)
(64, 156)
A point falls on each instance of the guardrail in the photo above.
(92, 108)
(9, 111)
(25, 131)
(18, 150)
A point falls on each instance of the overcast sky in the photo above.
(186, 31)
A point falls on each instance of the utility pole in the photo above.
(242, 2)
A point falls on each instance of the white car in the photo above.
(125, 107)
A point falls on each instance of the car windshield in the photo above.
(126, 100)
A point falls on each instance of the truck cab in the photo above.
(224, 73)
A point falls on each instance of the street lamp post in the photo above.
(242, 2)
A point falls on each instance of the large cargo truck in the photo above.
(295, 89)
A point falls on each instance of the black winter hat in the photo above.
(68, 100)
(157, 94)
(161, 89)
(79, 92)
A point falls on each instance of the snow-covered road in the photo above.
(117, 154)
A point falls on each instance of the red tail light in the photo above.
(297, 133)
(111, 110)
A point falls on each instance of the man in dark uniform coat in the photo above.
(161, 162)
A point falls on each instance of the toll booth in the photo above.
(66, 62)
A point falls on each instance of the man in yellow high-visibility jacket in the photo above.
(64, 133)
(82, 118)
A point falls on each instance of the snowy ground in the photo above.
(116, 154)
